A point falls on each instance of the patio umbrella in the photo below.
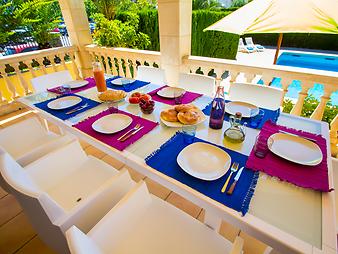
(281, 16)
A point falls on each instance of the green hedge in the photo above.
(210, 43)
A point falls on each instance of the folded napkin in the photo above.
(111, 139)
(312, 177)
(268, 115)
(62, 113)
(129, 87)
(186, 98)
(164, 160)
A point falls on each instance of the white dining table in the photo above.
(288, 218)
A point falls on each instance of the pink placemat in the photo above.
(187, 97)
(58, 90)
(111, 139)
(312, 177)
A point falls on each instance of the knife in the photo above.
(76, 109)
(131, 134)
(233, 185)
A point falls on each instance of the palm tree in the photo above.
(206, 5)
(107, 7)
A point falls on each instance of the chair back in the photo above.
(42, 83)
(249, 41)
(80, 243)
(259, 95)
(25, 133)
(241, 42)
(40, 209)
(151, 74)
(197, 83)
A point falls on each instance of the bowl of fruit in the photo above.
(136, 97)
(147, 106)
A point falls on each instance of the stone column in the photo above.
(175, 35)
(75, 17)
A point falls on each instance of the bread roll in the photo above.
(188, 117)
(169, 115)
(184, 107)
(112, 95)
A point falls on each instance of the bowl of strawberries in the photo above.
(147, 106)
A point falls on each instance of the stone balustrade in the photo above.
(17, 70)
(123, 61)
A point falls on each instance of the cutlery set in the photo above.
(130, 133)
(233, 169)
(77, 109)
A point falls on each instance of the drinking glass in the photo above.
(113, 107)
(65, 89)
(255, 121)
(190, 132)
(178, 97)
(99, 77)
(261, 146)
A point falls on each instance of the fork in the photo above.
(133, 129)
(233, 169)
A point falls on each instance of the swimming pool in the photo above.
(311, 61)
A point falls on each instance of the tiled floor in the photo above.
(17, 235)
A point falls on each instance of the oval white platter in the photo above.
(296, 149)
(247, 109)
(171, 92)
(204, 161)
(112, 123)
(64, 102)
(122, 81)
(77, 83)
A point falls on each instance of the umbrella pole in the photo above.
(279, 43)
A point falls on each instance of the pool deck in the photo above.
(266, 57)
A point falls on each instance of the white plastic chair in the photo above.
(28, 140)
(151, 74)
(42, 83)
(197, 83)
(259, 95)
(142, 224)
(243, 48)
(249, 43)
(64, 188)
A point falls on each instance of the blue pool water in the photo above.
(311, 61)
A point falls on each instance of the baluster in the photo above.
(233, 76)
(249, 77)
(334, 136)
(8, 83)
(319, 111)
(63, 61)
(102, 60)
(52, 62)
(285, 86)
(219, 73)
(2, 99)
(297, 108)
(42, 66)
(121, 72)
(76, 70)
(30, 68)
(127, 64)
(107, 65)
(113, 66)
(21, 79)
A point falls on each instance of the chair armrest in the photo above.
(92, 209)
(237, 247)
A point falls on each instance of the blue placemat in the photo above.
(127, 88)
(268, 115)
(62, 113)
(164, 160)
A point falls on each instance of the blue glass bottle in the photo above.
(217, 109)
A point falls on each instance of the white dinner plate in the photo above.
(171, 92)
(112, 123)
(247, 109)
(204, 161)
(180, 125)
(122, 81)
(295, 149)
(77, 83)
(64, 102)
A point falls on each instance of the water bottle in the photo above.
(217, 109)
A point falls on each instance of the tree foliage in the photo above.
(115, 33)
(206, 5)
